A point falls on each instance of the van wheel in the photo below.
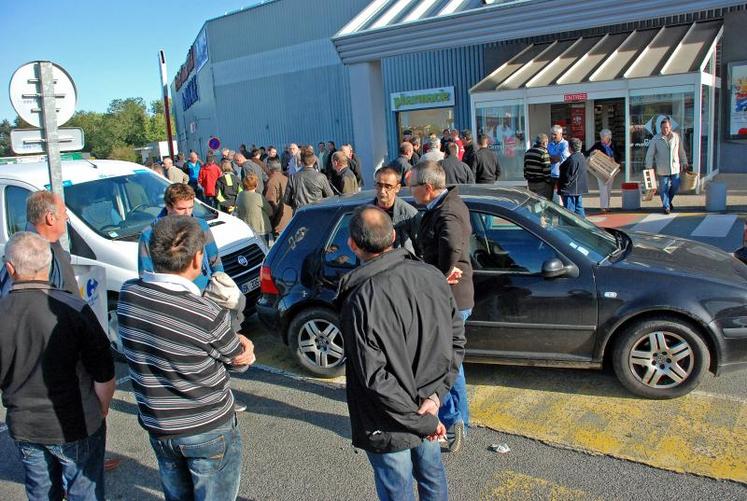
(315, 339)
(660, 359)
(113, 331)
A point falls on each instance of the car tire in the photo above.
(315, 339)
(660, 359)
(115, 343)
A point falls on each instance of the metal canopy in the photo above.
(669, 50)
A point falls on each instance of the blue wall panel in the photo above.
(459, 67)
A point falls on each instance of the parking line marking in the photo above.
(513, 485)
(654, 223)
(732, 398)
(699, 433)
(715, 225)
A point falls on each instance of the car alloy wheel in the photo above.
(661, 360)
(321, 342)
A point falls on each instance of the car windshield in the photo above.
(118, 208)
(579, 235)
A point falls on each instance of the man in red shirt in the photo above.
(457, 140)
(209, 175)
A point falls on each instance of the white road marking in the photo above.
(654, 223)
(732, 398)
(715, 225)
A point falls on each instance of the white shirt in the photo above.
(171, 282)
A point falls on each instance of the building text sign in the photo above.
(419, 99)
(574, 98)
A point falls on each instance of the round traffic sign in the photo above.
(25, 93)
(213, 143)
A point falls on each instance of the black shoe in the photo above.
(667, 210)
(238, 407)
(455, 444)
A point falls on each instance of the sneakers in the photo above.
(239, 407)
(455, 444)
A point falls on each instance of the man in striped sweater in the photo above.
(178, 345)
(537, 168)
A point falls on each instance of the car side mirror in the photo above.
(554, 268)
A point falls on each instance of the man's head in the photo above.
(454, 134)
(605, 136)
(331, 146)
(47, 214)
(274, 165)
(665, 127)
(339, 161)
(255, 154)
(575, 144)
(407, 135)
(387, 186)
(226, 166)
(452, 149)
(541, 140)
(192, 156)
(272, 152)
(179, 199)
(467, 136)
(371, 232)
(239, 158)
(293, 149)
(322, 147)
(27, 256)
(347, 149)
(427, 181)
(250, 182)
(176, 246)
(406, 150)
(483, 140)
(556, 133)
(180, 156)
(225, 152)
(415, 141)
(167, 163)
(435, 143)
(307, 157)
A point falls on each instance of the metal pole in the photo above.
(51, 134)
(166, 107)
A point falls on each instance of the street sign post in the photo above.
(44, 95)
(31, 141)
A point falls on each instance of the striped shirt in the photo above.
(177, 344)
(537, 164)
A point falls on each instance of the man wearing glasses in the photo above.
(405, 217)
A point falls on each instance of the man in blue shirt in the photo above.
(558, 150)
(192, 168)
(180, 201)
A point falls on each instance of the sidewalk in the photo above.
(736, 201)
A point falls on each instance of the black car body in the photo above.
(550, 290)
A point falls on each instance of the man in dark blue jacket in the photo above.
(403, 354)
(572, 184)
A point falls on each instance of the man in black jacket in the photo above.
(572, 183)
(403, 162)
(443, 240)
(308, 186)
(457, 172)
(487, 169)
(403, 353)
(469, 149)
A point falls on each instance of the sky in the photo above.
(109, 48)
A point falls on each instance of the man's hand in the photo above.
(440, 432)
(429, 406)
(454, 275)
(247, 357)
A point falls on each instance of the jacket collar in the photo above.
(31, 284)
(450, 192)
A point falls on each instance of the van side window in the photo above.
(15, 208)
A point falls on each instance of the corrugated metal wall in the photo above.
(273, 77)
(460, 67)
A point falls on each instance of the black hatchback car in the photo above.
(551, 289)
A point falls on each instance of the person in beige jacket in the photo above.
(173, 173)
(667, 154)
(253, 209)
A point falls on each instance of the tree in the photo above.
(157, 123)
(5, 149)
(127, 119)
(123, 152)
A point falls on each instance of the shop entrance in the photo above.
(423, 123)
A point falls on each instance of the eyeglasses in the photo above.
(386, 187)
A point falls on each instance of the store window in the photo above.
(646, 113)
(506, 130)
(423, 123)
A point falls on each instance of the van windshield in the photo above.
(118, 208)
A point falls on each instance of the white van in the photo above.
(109, 203)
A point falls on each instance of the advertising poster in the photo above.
(738, 100)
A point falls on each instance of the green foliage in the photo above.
(123, 152)
(5, 150)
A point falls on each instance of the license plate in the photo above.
(250, 285)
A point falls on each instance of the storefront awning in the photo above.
(669, 50)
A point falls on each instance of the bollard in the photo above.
(631, 196)
(715, 197)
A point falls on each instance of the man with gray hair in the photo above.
(537, 168)
(443, 240)
(434, 152)
(173, 173)
(558, 150)
(46, 215)
(56, 377)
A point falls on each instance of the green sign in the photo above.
(427, 98)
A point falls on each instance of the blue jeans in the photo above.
(455, 407)
(574, 203)
(394, 471)
(75, 469)
(668, 188)
(206, 466)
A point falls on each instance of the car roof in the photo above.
(73, 171)
(507, 196)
